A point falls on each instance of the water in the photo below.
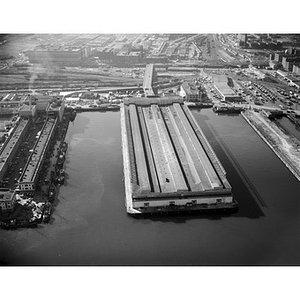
(90, 225)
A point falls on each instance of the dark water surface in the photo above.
(90, 225)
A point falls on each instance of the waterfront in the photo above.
(90, 225)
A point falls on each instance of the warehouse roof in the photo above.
(223, 88)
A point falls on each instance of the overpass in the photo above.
(149, 78)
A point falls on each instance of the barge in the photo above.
(227, 109)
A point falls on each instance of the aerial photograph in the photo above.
(149, 149)
(111, 144)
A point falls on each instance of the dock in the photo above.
(169, 166)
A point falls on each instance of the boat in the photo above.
(47, 212)
(60, 160)
(64, 146)
(51, 193)
(199, 105)
(227, 109)
(61, 179)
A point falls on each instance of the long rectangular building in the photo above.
(168, 163)
(11, 145)
(34, 163)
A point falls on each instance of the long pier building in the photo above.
(11, 145)
(169, 165)
(30, 174)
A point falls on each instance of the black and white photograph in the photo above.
(156, 148)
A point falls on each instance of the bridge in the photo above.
(149, 78)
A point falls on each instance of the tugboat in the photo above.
(64, 146)
(47, 212)
(61, 177)
(51, 193)
(60, 160)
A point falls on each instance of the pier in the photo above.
(169, 166)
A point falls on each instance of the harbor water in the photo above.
(90, 226)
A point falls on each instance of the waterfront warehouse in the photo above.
(30, 174)
(169, 165)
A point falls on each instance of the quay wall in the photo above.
(126, 165)
(282, 157)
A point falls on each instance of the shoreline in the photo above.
(282, 156)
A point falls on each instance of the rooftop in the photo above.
(36, 156)
(176, 156)
(6, 195)
(6, 151)
(190, 88)
(224, 88)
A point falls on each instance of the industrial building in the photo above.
(189, 91)
(11, 145)
(226, 92)
(168, 163)
(169, 166)
(7, 200)
(30, 174)
(125, 56)
(58, 54)
(288, 59)
(296, 69)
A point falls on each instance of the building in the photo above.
(288, 62)
(65, 55)
(189, 92)
(105, 55)
(49, 105)
(275, 65)
(11, 145)
(168, 163)
(56, 109)
(7, 200)
(154, 59)
(124, 58)
(296, 69)
(31, 172)
(278, 56)
(27, 111)
(225, 91)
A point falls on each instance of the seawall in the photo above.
(281, 156)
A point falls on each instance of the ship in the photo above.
(194, 105)
(227, 109)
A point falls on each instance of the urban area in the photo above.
(155, 81)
